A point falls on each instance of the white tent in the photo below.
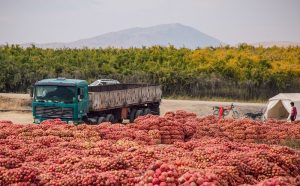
(279, 106)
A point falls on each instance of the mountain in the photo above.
(167, 34)
(276, 43)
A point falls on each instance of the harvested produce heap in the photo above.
(177, 149)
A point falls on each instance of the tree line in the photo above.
(242, 72)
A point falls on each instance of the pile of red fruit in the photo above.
(177, 149)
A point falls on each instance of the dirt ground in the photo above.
(17, 117)
(17, 102)
(14, 101)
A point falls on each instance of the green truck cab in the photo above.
(74, 101)
(66, 99)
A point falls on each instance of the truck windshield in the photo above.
(55, 94)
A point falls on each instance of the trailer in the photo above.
(73, 101)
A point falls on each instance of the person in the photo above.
(293, 114)
(222, 110)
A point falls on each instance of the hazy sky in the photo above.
(231, 21)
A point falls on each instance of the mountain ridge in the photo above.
(174, 34)
(268, 44)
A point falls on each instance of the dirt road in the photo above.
(17, 117)
(201, 108)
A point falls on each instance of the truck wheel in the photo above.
(132, 115)
(100, 120)
(139, 113)
(110, 118)
(147, 111)
(85, 119)
(155, 110)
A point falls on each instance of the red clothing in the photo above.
(221, 111)
(294, 111)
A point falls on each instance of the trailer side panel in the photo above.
(105, 98)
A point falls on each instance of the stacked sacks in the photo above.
(188, 122)
(170, 130)
(120, 155)
(155, 136)
(161, 174)
(53, 122)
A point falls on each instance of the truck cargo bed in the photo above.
(122, 95)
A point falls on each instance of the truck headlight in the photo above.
(37, 121)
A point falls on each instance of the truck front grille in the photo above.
(54, 112)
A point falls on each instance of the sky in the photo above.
(231, 21)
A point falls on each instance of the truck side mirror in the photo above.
(80, 93)
(31, 92)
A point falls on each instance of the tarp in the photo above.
(279, 106)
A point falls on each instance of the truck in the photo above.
(73, 101)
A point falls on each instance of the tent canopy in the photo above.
(279, 106)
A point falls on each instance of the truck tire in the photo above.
(85, 119)
(155, 110)
(110, 118)
(147, 111)
(132, 115)
(100, 120)
(139, 113)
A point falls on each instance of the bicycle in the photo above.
(226, 111)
